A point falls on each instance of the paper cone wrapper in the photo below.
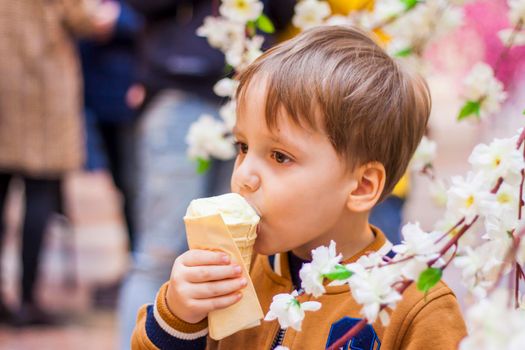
(210, 232)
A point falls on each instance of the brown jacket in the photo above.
(417, 323)
(41, 131)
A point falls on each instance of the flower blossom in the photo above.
(516, 11)
(419, 244)
(518, 38)
(226, 87)
(492, 324)
(207, 137)
(221, 33)
(241, 10)
(481, 86)
(228, 113)
(310, 13)
(479, 266)
(504, 216)
(469, 196)
(288, 311)
(499, 159)
(324, 260)
(372, 288)
(424, 155)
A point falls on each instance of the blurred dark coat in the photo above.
(41, 131)
(109, 69)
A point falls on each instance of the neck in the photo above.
(352, 235)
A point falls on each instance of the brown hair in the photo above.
(371, 109)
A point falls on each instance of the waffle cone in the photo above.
(244, 236)
(210, 232)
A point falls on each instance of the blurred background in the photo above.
(96, 98)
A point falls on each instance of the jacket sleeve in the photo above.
(157, 328)
(435, 324)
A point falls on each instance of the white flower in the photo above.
(385, 9)
(468, 197)
(228, 113)
(324, 260)
(481, 85)
(226, 87)
(432, 18)
(516, 11)
(424, 155)
(506, 34)
(244, 52)
(494, 324)
(280, 347)
(504, 216)
(221, 33)
(372, 288)
(499, 159)
(253, 49)
(338, 20)
(206, 137)
(438, 192)
(310, 13)
(419, 244)
(241, 10)
(480, 265)
(288, 311)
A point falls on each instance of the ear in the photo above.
(369, 185)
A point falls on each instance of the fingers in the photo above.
(220, 302)
(196, 257)
(199, 274)
(218, 288)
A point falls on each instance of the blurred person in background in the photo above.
(41, 131)
(108, 67)
(177, 74)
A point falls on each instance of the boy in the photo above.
(327, 124)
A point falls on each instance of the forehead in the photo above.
(259, 98)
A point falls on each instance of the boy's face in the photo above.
(292, 176)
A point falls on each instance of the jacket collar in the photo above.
(278, 269)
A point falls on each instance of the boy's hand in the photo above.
(202, 281)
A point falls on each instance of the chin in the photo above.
(263, 249)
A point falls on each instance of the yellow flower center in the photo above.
(469, 201)
(497, 162)
(241, 5)
(504, 198)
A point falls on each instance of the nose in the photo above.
(245, 178)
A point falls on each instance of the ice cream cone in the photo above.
(244, 237)
(208, 230)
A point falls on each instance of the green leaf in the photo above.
(409, 3)
(228, 69)
(338, 273)
(251, 25)
(429, 278)
(469, 108)
(404, 53)
(203, 165)
(265, 24)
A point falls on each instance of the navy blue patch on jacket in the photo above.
(366, 339)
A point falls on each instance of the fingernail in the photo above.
(237, 269)
(225, 258)
(243, 282)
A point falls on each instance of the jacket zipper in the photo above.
(279, 337)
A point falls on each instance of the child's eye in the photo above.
(241, 147)
(280, 157)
